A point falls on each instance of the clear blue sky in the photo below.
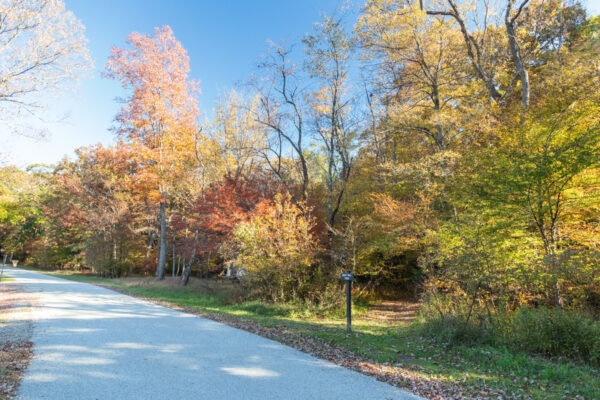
(224, 39)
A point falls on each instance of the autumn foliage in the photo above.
(459, 167)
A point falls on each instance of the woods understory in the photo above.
(447, 153)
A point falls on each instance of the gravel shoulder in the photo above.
(93, 343)
(16, 328)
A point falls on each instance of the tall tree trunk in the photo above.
(173, 268)
(185, 277)
(509, 21)
(162, 258)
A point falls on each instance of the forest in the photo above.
(445, 151)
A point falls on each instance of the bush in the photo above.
(277, 250)
(453, 330)
(544, 331)
(555, 332)
(454, 322)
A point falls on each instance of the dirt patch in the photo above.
(16, 348)
(393, 311)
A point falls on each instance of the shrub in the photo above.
(550, 332)
(447, 322)
(277, 251)
(555, 332)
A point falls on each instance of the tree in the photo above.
(277, 249)
(240, 135)
(160, 113)
(100, 183)
(525, 22)
(536, 180)
(43, 48)
(421, 71)
(221, 208)
(281, 111)
(21, 217)
(329, 52)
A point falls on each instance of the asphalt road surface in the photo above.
(93, 343)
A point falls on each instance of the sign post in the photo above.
(3, 262)
(348, 277)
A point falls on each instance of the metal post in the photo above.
(349, 305)
(348, 277)
(3, 262)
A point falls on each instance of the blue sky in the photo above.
(224, 39)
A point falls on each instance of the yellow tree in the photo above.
(239, 134)
(421, 68)
(422, 79)
(161, 111)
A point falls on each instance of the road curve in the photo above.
(93, 343)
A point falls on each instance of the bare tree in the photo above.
(281, 111)
(509, 21)
(329, 50)
(42, 48)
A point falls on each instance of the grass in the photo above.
(428, 365)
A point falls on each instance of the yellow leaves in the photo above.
(320, 101)
(237, 131)
(422, 57)
(395, 212)
(276, 246)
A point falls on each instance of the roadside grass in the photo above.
(477, 371)
(6, 279)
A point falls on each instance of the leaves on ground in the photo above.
(16, 350)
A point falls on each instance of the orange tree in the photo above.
(160, 112)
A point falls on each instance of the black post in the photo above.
(349, 305)
(3, 262)
(348, 277)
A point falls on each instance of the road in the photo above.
(93, 343)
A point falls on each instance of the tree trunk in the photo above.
(162, 258)
(173, 268)
(185, 277)
(516, 55)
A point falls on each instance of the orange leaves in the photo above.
(161, 111)
(228, 203)
(396, 212)
(276, 248)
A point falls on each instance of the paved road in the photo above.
(93, 343)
